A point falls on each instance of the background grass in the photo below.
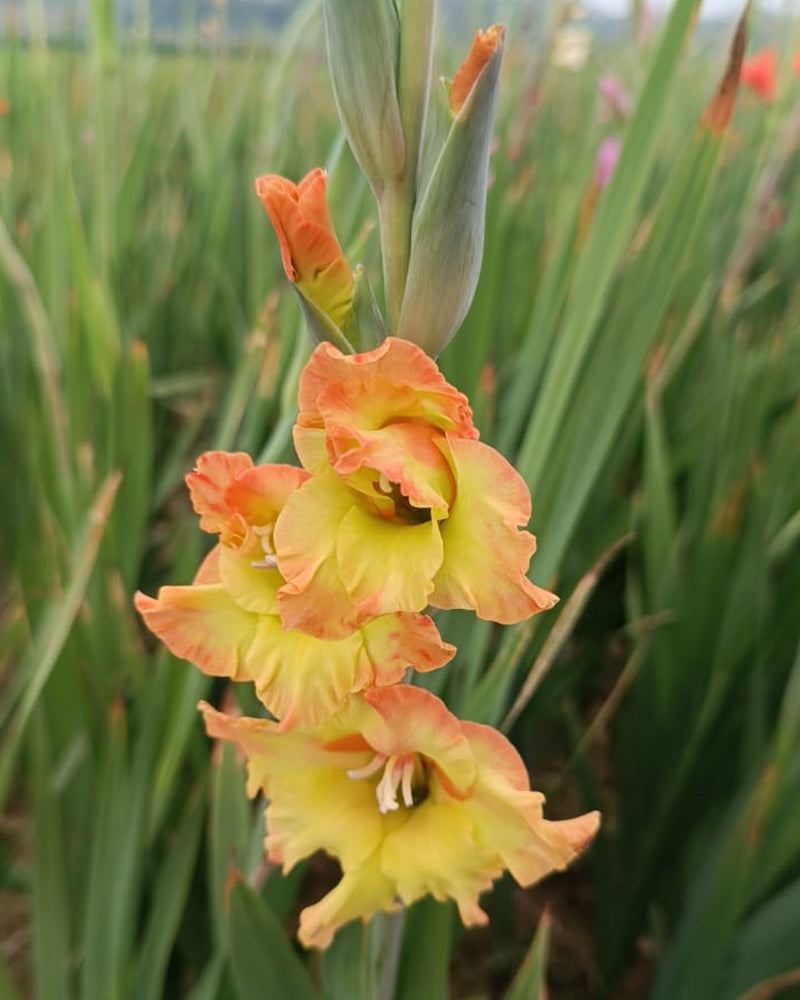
(635, 351)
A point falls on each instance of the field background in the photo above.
(634, 351)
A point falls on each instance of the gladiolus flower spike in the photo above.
(407, 798)
(403, 506)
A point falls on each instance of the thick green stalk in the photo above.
(398, 197)
(385, 936)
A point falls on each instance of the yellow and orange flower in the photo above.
(410, 800)
(404, 506)
(759, 73)
(311, 255)
(227, 622)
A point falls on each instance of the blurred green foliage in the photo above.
(634, 350)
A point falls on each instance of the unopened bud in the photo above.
(311, 255)
(448, 227)
(363, 45)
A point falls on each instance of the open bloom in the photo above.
(408, 799)
(404, 507)
(227, 622)
(311, 255)
(759, 73)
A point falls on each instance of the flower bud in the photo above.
(311, 255)
(449, 221)
(363, 45)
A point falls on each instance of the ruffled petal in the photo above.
(409, 719)
(250, 583)
(305, 532)
(435, 852)
(387, 566)
(301, 679)
(405, 453)
(399, 641)
(361, 893)
(201, 624)
(395, 381)
(208, 571)
(509, 817)
(259, 494)
(485, 555)
(311, 448)
(314, 805)
(213, 474)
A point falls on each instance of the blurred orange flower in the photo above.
(759, 73)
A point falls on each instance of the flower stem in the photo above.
(385, 940)
(398, 197)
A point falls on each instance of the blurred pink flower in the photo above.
(607, 157)
(615, 102)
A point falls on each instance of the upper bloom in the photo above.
(227, 622)
(759, 73)
(311, 255)
(404, 507)
(408, 799)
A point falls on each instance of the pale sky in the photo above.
(710, 8)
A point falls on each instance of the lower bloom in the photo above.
(227, 622)
(410, 800)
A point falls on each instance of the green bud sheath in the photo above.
(363, 45)
(449, 221)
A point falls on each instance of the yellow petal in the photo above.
(314, 805)
(387, 566)
(314, 598)
(361, 893)
(201, 624)
(485, 555)
(253, 587)
(435, 852)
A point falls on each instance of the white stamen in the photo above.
(374, 765)
(398, 775)
(384, 485)
(408, 773)
(268, 562)
(386, 789)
